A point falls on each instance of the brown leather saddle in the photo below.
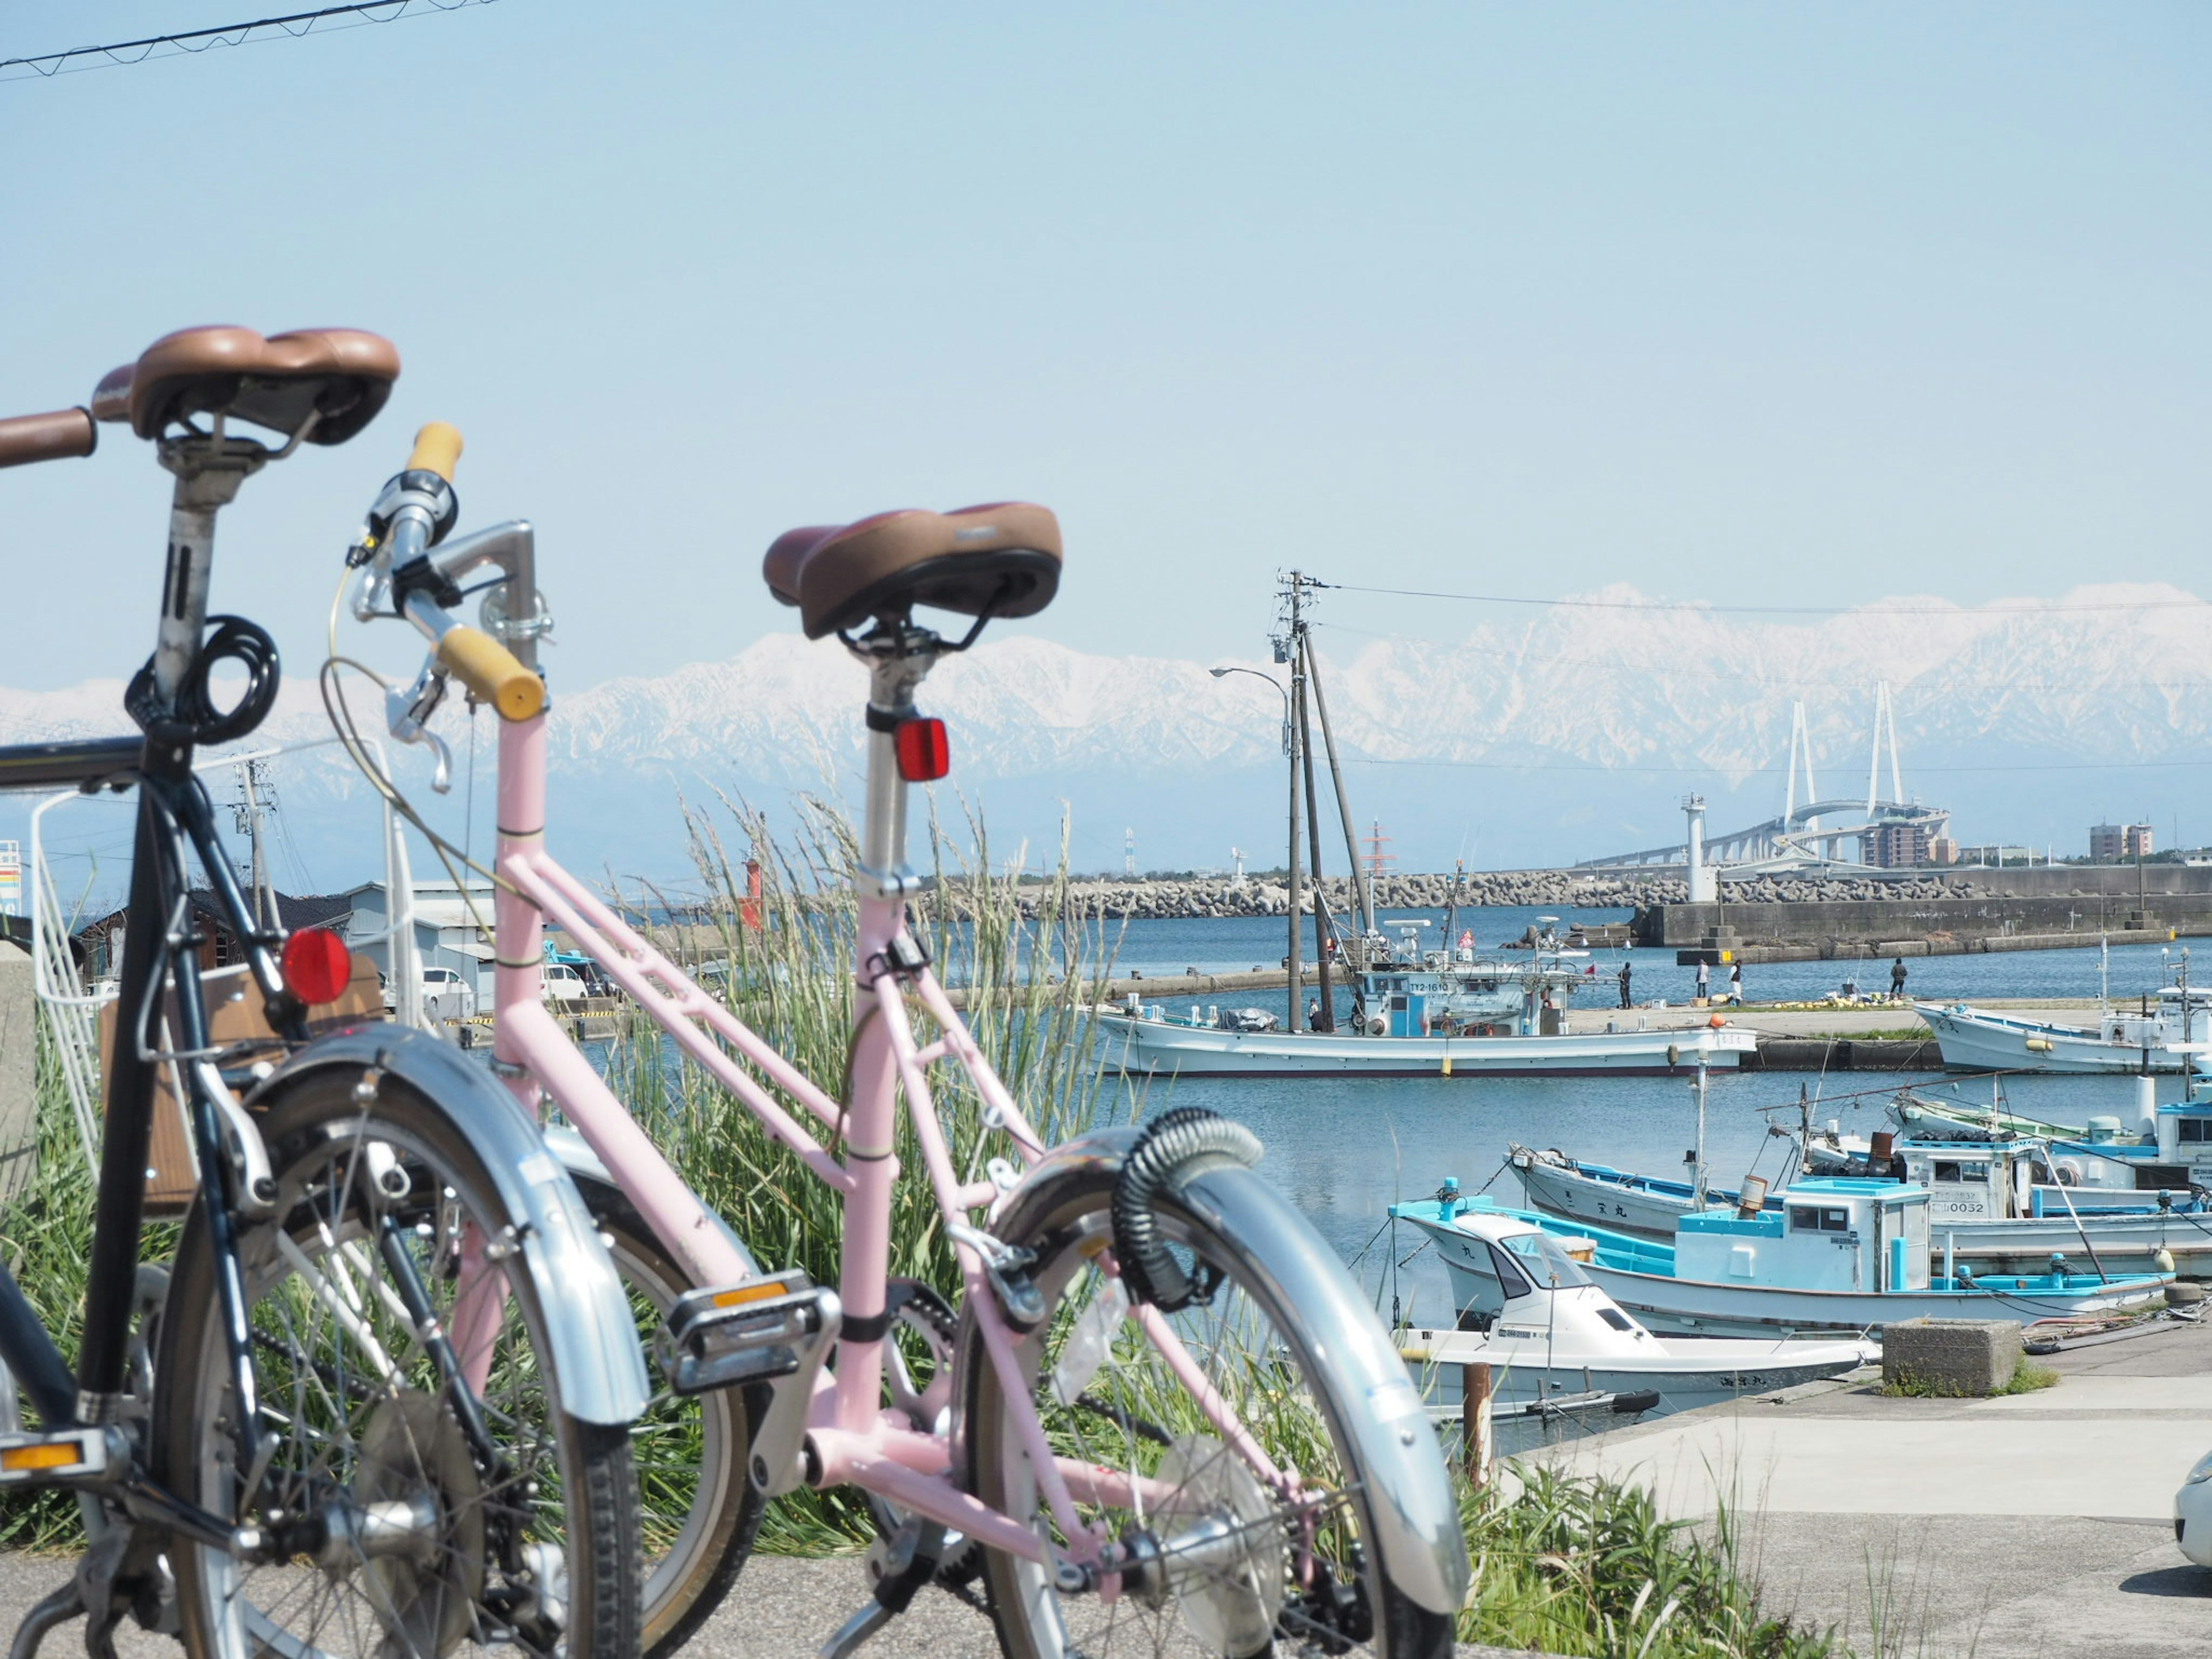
(1001, 560)
(341, 375)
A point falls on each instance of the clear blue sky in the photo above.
(1807, 302)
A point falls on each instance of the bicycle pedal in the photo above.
(748, 1332)
(37, 1460)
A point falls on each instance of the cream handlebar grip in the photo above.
(437, 449)
(491, 671)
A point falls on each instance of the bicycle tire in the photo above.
(706, 1505)
(355, 1411)
(1068, 1228)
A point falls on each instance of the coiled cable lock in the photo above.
(1163, 1157)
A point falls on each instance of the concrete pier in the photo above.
(2033, 1524)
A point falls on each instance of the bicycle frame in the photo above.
(845, 1424)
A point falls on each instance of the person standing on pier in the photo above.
(1897, 980)
(1705, 982)
(1623, 976)
(1735, 983)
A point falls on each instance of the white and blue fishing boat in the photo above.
(1840, 1254)
(1554, 1335)
(1986, 1208)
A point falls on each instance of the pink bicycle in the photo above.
(1160, 1411)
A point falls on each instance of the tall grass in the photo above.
(1584, 1567)
(789, 975)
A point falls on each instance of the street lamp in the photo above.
(1270, 680)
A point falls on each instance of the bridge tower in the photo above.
(1885, 721)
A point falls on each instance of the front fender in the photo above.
(1416, 1513)
(590, 1328)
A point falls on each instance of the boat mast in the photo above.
(1322, 931)
(1698, 1178)
(1287, 652)
(1363, 891)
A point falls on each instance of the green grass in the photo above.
(1589, 1569)
(2026, 1379)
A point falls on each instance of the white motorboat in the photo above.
(1551, 1333)
(1842, 1255)
(1151, 1043)
(1980, 1040)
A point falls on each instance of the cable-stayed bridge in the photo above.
(1810, 830)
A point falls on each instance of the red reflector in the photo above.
(317, 966)
(924, 756)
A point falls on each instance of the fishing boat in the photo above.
(1148, 1042)
(1842, 1254)
(1980, 1040)
(1986, 1210)
(1550, 1331)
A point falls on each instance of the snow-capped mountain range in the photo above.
(1541, 737)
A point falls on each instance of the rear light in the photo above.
(317, 966)
(924, 756)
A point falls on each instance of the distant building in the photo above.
(1942, 850)
(2119, 844)
(1991, 854)
(1895, 845)
(452, 927)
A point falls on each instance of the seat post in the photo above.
(209, 471)
(899, 657)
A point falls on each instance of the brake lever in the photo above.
(407, 715)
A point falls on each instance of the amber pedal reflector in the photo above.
(760, 1292)
(924, 754)
(56, 1457)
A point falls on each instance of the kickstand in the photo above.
(91, 1591)
(59, 1609)
(911, 1563)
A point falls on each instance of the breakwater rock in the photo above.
(1168, 897)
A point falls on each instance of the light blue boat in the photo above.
(1838, 1255)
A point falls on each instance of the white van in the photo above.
(563, 983)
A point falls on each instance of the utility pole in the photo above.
(1322, 931)
(254, 795)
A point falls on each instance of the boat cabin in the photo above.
(2185, 1141)
(1841, 1233)
(1969, 1180)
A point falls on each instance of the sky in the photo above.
(1799, 305)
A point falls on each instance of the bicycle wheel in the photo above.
(701, 1511)
(1235, 1561)
(396, 1528)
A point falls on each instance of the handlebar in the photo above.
(437, 448)
(61, 435)
(491, 671)
(410, 516)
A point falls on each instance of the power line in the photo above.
(1513, 656)
(1771, 771)
(293, 26)
(2034, 608)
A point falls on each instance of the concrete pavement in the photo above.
(2033, 1524)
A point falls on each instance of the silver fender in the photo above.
(1416, 1512)
(593, 1337)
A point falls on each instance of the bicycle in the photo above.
(1148, 1334)
(381, 1404)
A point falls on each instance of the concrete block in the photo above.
(1952, 1357)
